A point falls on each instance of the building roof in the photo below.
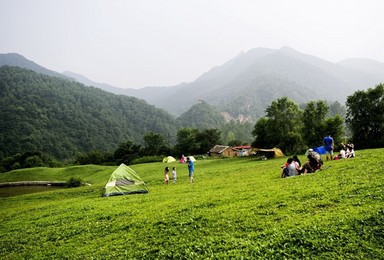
(218, 148)
(243, 147)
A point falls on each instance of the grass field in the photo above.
(237, 208)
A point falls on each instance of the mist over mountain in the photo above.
(368, 66)
(244, 86)
(14, 59)
(87, 82)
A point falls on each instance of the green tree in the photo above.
(261, 133)
(186, 141)
(336, 108)
(156, 144)
(365, 117)
(281, 126)
(314, 123)
(126, 152)
(335, 126)
(207, 139)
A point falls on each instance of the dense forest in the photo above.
(202, 116)
(60, 117)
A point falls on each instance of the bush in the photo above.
(148, 159)
(33, 161)
(75, 182)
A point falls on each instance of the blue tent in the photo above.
(319, 150)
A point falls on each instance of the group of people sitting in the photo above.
(346, 151)
(314, 163)
(293, 166)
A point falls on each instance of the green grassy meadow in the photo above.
(237, 208)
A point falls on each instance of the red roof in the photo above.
(242, 147)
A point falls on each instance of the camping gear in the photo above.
(192, 158)
(315, 156)
(319, 150)
(124, 181)
(268, 153)
(169, 159)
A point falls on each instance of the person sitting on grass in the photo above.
(289, 169)
(350, 152)
(314, 163)
(341, 154)
(296, 160)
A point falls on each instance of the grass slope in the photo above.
(237, 208)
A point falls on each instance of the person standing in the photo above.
(166, 175)
(329, 146)
(174, 175)
(191, 169)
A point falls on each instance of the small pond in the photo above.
(20, 190)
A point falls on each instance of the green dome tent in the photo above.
(169, 159)
(124, 181)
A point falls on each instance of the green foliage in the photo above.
(335, 108)
(207, 139)
(94, 157)
(126, 152)
(156, 144)
(194, 141)
(27, 160)
(365, 117)
(62, 118)
(237, 208)
(202, 116)
(186, 141)
(291, 129)
(33, 161)
(74, 182)
(235, 143)
(148, 159)
(281, 128)
(314, 123)
(236, 131)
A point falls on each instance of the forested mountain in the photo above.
(246, 84)
(60, 117)
(202, 116)
(87, 82)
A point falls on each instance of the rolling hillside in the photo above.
(235, 209)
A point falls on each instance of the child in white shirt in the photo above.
(174, 175)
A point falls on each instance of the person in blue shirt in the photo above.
(191, 168)
(329, 146)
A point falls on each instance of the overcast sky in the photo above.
(139, 43)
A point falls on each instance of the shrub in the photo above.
(33, 161)
(148, 159)
(75, 182)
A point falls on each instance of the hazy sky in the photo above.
(138, 43)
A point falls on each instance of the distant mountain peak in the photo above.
(17, 60)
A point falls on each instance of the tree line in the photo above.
(294, 130)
